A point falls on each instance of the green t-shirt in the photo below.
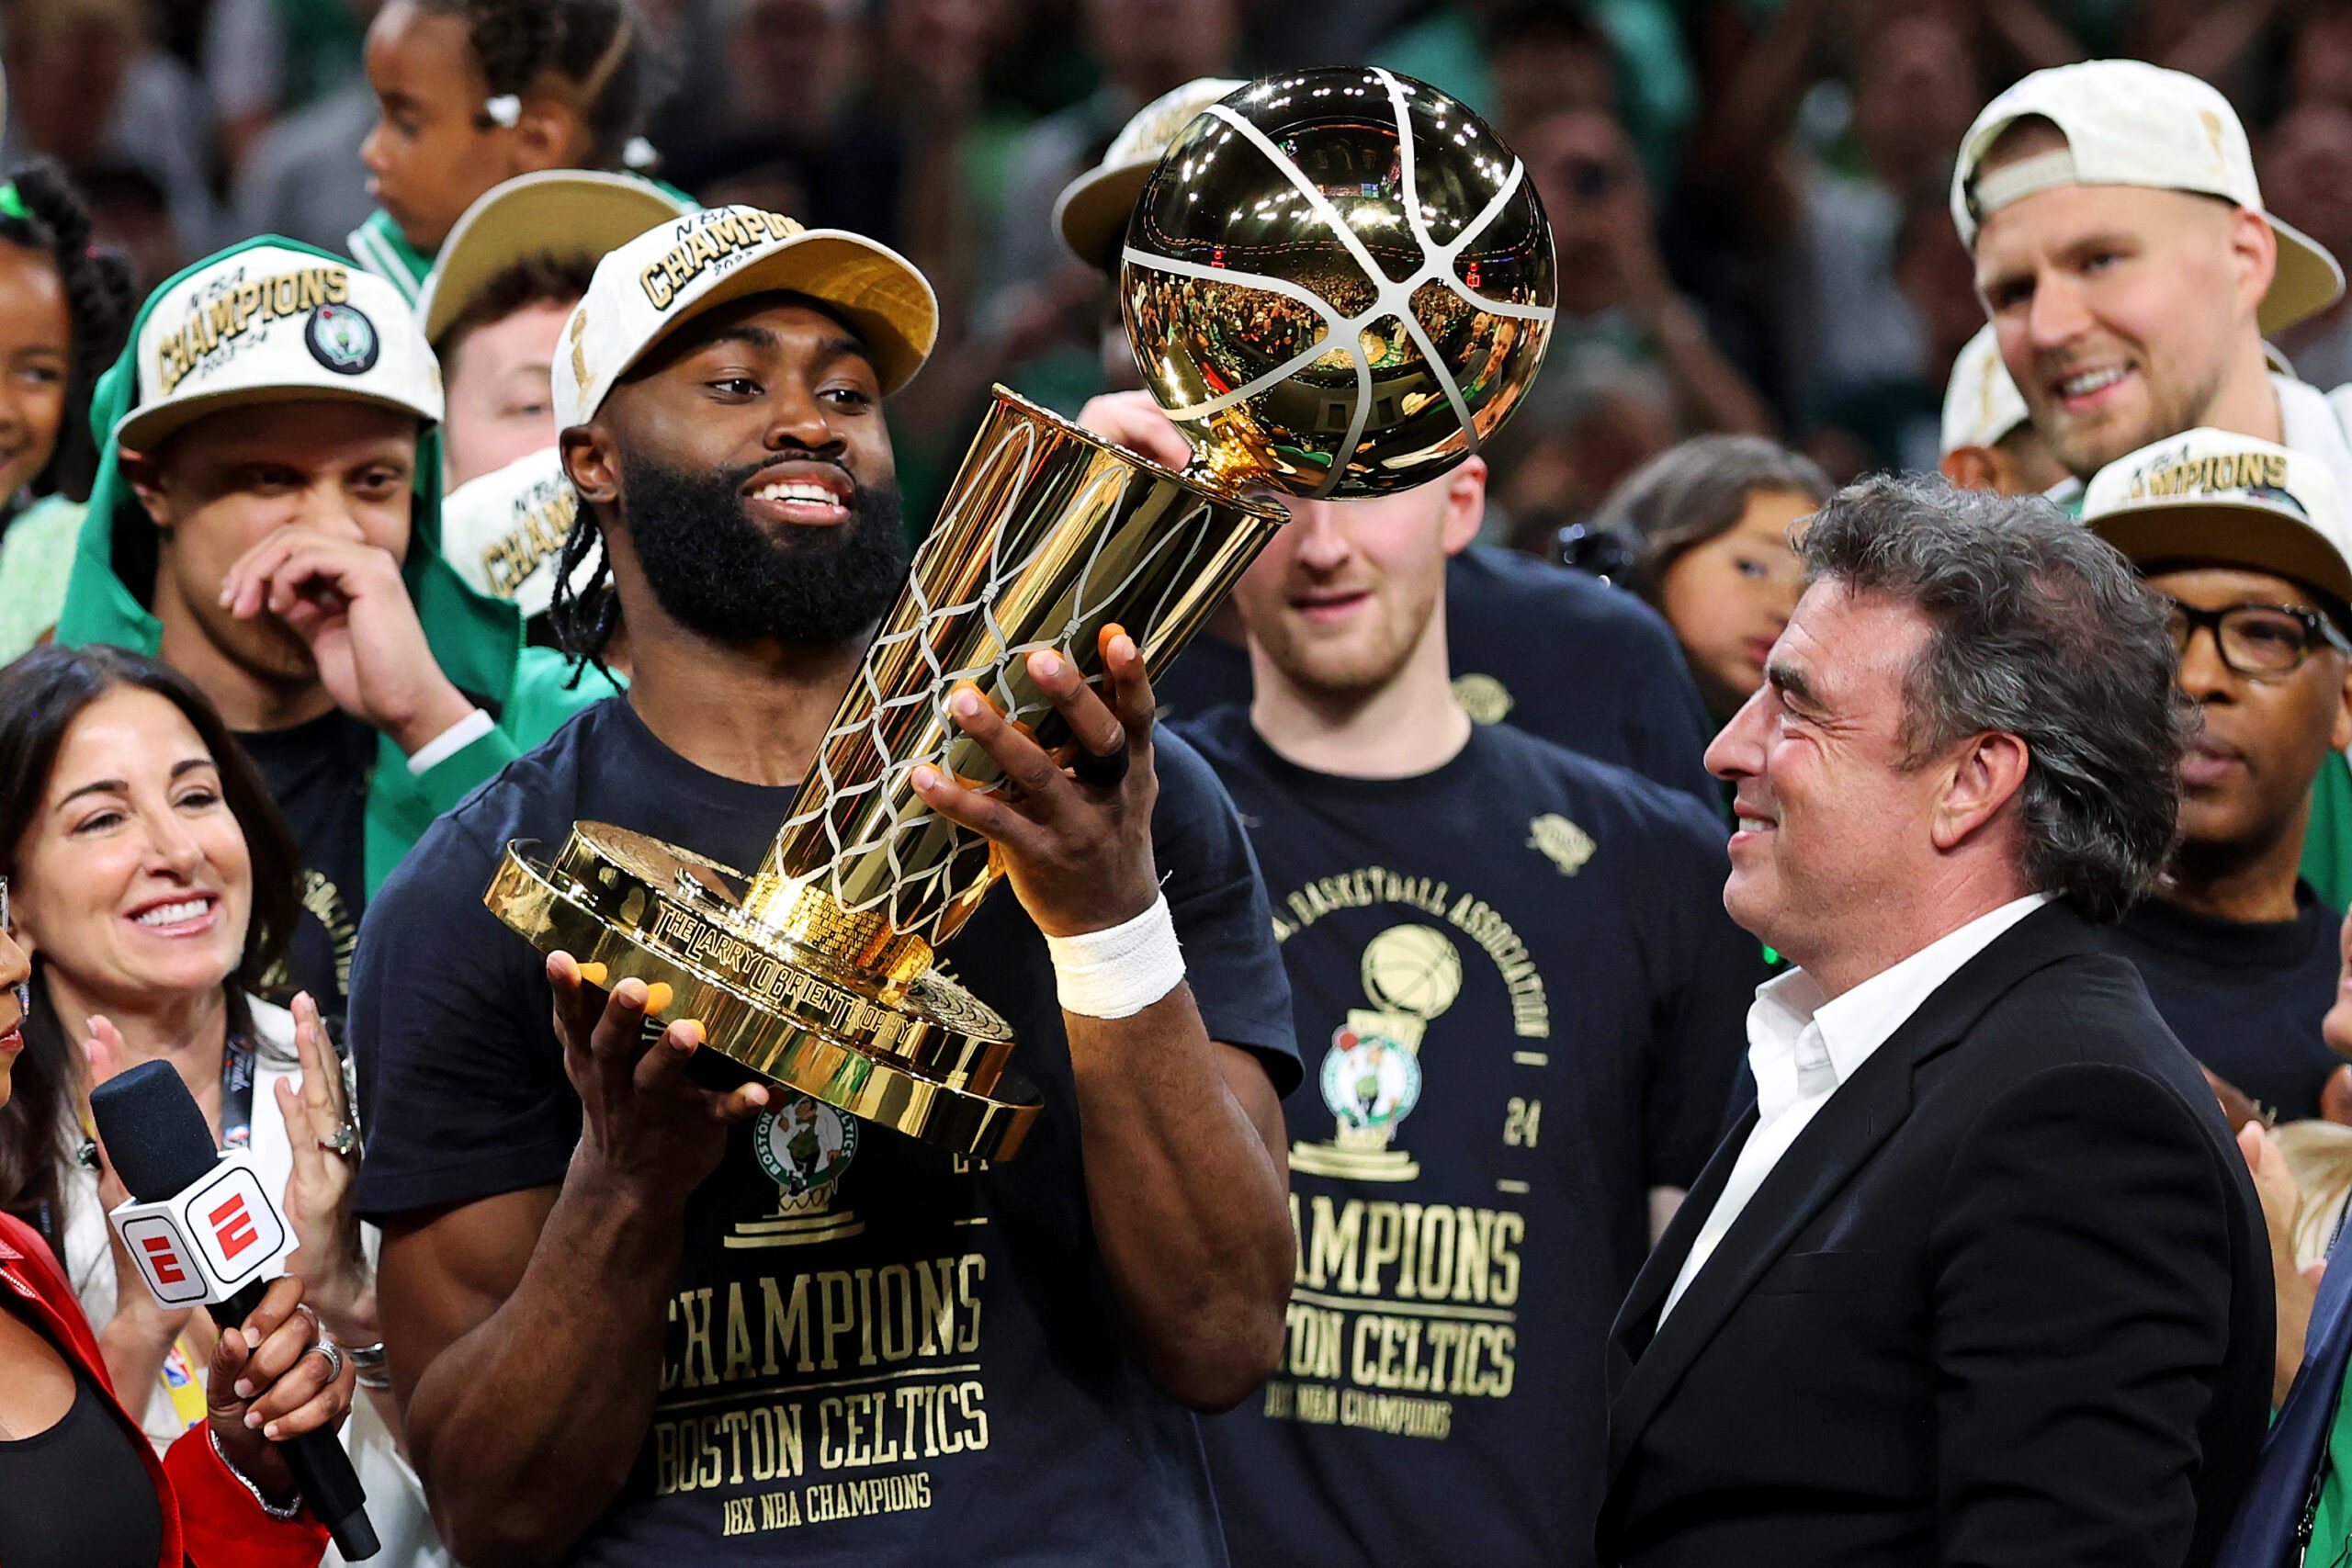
(35, 558)
(2327, 844)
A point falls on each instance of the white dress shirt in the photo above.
(1801, 1048)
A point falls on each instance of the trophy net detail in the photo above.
(1049, 536)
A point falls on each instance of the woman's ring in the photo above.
(343, 1141)
(333, 1353)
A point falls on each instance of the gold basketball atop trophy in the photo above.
(1338, 282)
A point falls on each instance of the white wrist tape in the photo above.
(1119, 972)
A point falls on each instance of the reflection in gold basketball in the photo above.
(1412, 969)
(1337, 283)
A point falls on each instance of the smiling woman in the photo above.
(77, 1486)
(151, 882)
(152, 885)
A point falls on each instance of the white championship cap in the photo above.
(563, 212)
(1981, 404)
(2129, 123)
(2226, 499)
(1091, 212)
(503, 531)
(643, 290)
(270, 322)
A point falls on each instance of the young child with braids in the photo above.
(473, 93)
(65, 311)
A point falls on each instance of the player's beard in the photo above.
(718, 573)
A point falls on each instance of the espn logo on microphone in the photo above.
(204, 1243)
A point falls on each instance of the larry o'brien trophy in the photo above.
(1338, 283)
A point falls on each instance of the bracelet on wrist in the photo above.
(369, 1360)
(275, 1511)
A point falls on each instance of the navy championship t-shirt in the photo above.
(1553, 652)
(1522, 1007)
(318, 773)
(878, 1352)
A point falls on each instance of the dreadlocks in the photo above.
(584, 619)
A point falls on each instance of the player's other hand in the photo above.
(644, 1124)
(1133, 420)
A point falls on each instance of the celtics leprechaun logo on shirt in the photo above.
(804, 1145)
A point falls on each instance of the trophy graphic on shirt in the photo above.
(1371, 1076)
(1337, 283)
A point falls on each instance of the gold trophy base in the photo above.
(923, 1055)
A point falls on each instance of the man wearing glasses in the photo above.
(2247, 540)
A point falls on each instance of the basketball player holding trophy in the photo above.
(719, 1165)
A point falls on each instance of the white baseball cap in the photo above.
(2130, 123)
(503, 531)
(645, 290)
(565, 212)
(1091, 212)
(1982, 405)
(2229, 500)
(273, 321)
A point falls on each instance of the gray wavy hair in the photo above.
(2040, 630)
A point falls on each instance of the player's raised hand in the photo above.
(1075, 832)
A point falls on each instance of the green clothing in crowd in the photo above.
(36, 553)
(477, 640)
(1656, 91)
(2327, 844)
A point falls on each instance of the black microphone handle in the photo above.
(321, 1470)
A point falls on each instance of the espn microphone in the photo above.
(201, 1228)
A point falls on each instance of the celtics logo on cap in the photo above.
(804, 1144)
(341, 338)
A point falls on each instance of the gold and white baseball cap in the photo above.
(565, 212)
(1982, 405)
(270, 321)
(503, 531)
(645, 290)
(2130, 123)
(1092, 212)
(2225, 500)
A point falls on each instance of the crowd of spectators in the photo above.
(1749, 197)
(1766, 292)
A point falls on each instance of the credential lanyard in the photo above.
(237, 1093)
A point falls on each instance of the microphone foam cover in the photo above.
(154, 1131)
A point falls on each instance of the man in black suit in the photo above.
(1978, 1276)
